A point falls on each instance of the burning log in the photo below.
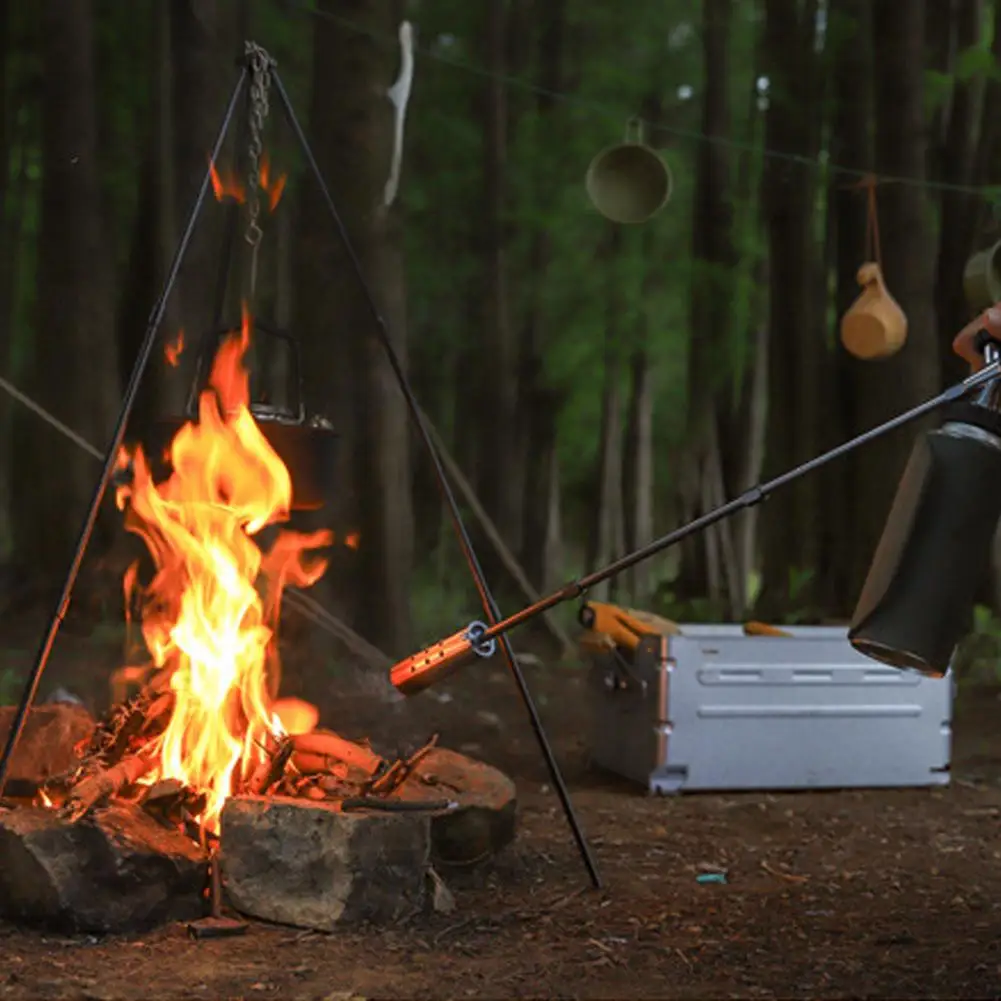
(141, 718)
(271, 770)
(398, 772)
(320, 750)
(175, 805)
(96, 788)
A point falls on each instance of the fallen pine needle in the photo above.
(788, 876)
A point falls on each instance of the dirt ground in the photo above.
(828, 895)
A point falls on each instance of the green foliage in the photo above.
(11, 686)
(695, 610)
(442, 603)
(612, 66)
(978, 658)
(938, 90)
(976, 61)
(797, 605)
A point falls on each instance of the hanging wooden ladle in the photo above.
(874, 326)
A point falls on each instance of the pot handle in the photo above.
(210, 344)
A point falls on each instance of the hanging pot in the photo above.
(874, 326)
(629, 182)
(305, 444)
(982, 277)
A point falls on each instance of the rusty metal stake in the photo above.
(215, 924)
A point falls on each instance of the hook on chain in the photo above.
(261, 65)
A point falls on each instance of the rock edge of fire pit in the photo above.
(47, 744)
(309, 865)
(117, 870)
(486, 818)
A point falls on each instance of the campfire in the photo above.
(206, 762)
(207, 723)
(202, 747)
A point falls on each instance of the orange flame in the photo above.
(172, 351)
(203, 618)
(226, 187)
(352, 540)
(274, 188)
(296, 716)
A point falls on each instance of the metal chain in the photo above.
(261, 65)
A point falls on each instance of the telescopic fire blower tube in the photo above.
(478, 641)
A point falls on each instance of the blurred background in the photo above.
(594, 385)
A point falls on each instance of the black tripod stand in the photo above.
(259, 70)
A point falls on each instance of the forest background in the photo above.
(595, 385)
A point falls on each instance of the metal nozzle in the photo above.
(421, 670)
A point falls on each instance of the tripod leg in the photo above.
(125, 412)
(489, 605)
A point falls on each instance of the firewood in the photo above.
(144, 716)
(323, 748)
(93, 790)
(272, 768)
(318, 764)
(398, 772)
(158, 715)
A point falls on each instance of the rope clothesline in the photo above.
(821, 162)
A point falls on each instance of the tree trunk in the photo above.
(637, 468)
(6, 358)
(152, 238)
(908, 266)
(607, 535)
(538, 404)
(75, 367)
(203, 73)
(849, 381)
(957, 208)
(347, 374)
(743, 427)
(939, 58)
(607, 540)
(788, 522)
(711, 373)
(542, 468)
(497, 415)
(985, 168)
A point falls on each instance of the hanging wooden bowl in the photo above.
(874, 325)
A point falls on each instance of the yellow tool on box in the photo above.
(618, 637)
(625, 627)
(629, 641)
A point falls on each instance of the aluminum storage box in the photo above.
(732, 711)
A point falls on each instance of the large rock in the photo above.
(485, 820)
(304, 863)
(116, 870)
(47, 746)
